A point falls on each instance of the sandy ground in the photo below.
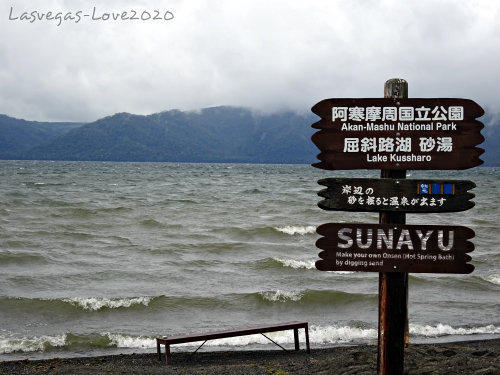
(471, 357)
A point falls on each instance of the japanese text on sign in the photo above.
(402, 144)
(356, 195)
(438, 113)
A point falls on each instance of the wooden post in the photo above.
(296, 338)
(308, 348)
(168, 356)
(392, 287)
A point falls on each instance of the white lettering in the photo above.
(369, 238)
(404, 240)
(388, 239)
(424, 238)
(451, 235)
(348, 240)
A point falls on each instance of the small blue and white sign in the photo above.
(423, 188)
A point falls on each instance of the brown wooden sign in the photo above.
(398, 134)
(395, 248)
(396, 195)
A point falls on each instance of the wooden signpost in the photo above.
(395, 134)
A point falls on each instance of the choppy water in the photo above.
(102, 257)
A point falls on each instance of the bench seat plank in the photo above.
(179, 339)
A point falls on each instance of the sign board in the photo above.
(395, 248)
(397, 195)
(387, 133)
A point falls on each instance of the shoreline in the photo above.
(479, 357)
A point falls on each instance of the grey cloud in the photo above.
(259, 54)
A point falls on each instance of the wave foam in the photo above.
(319, 335)
(293, 263)
(307, 264)
(445, 330)
(32, 344)
(281, 295)
(126, 341)
(336, 334)
(292, 230)
(494, 279)
(98, 303)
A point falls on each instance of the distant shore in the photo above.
(469, 357)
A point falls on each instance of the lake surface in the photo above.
(100, 258)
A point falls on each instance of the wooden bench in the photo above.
(170, 340)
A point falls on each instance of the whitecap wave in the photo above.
(127, 341)
(494, 279)
(293, 230)
(34, 344)
(293, 263)
(97, 303)
(317, 335)
(281, 295)
(307, 264)
(445, 330)
(336, 334)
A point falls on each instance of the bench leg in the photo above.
(296, 338)
(308, 349)
(158, 349)
(168, 357)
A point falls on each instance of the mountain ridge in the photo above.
(215, 134)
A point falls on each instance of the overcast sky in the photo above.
(266, 55)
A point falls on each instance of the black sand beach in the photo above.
(470, 357)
